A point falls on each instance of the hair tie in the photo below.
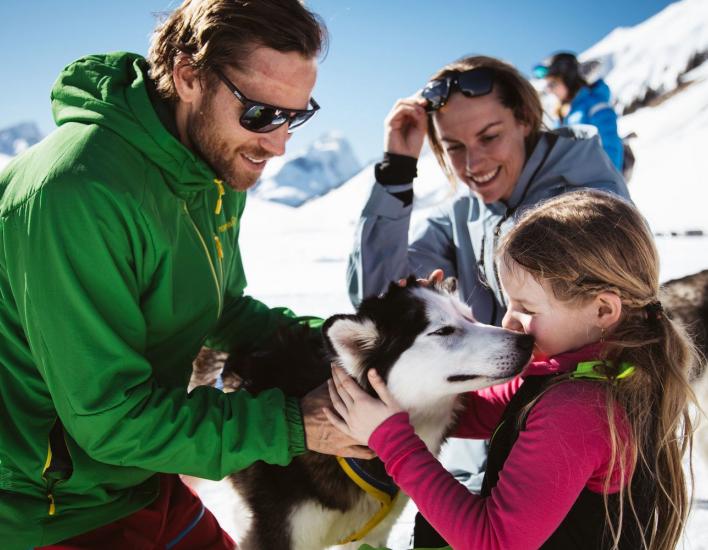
(654, 311)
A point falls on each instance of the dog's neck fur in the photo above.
(433, 423)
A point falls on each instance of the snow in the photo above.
(671, 172)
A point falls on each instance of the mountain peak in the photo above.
(17, 138)
(328, 162)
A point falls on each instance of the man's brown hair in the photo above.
(215, 33)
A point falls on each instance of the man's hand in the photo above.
(320, 435)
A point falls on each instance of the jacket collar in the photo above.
(565, 362)
(532, 165)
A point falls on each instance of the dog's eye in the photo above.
(444, 331)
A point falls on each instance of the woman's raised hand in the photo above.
(405, 127)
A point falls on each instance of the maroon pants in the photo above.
(176, 520)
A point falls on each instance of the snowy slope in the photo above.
(671, 172)
(650, 57)
(295, 179)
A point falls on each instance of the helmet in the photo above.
(562, 64)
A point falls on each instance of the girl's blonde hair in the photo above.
(512, 89)
(579, 245)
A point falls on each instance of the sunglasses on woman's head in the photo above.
(261, 117)
(472, 83)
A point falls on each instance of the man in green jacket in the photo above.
(119, 259)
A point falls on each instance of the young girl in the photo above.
(586, 444)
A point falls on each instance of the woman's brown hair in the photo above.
(579, 245)
(512, 89)
(217, 33)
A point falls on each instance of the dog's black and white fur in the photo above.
(426, 345)
(686, 300)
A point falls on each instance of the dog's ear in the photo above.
(349, 337)
(448, 285)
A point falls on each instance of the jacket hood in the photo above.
(110, 90)
(597, 93)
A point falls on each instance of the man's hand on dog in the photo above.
(320, 435)
(359, 413)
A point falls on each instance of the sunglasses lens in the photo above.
(476, 82)
(436, 93)
(259, 118)
(299, 119)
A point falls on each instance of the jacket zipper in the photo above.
(211, 263)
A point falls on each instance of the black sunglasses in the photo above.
(472, 83)
(261, 117)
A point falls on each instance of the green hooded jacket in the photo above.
(118, 258)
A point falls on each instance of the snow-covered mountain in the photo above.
(295, 179)
(649, 60)
(17, 138)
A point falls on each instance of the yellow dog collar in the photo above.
(385, 492)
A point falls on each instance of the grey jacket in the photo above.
(462, 236)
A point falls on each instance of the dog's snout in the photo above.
(525, 342)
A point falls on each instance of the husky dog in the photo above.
(427, 346)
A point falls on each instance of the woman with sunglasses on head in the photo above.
(483, 120)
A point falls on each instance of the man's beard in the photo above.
(216, 152)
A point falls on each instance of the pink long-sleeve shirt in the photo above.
(564, 448)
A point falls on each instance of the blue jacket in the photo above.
(591, 105)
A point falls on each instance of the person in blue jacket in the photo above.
(582, 102)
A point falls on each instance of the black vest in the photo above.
(584, 527)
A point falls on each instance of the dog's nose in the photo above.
(525, 342)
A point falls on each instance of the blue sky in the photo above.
(380, 50)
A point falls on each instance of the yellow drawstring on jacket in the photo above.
(219, 249)
(220, 187)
